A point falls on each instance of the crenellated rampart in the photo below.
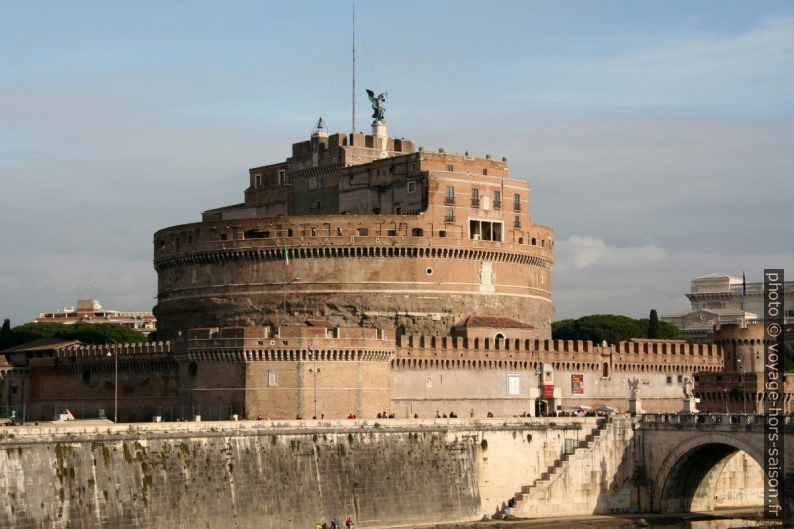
(368, 235)
(441, 352)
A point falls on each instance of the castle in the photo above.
(375, 233)
(362, 276)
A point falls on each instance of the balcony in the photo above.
(475, 202)
(449, 218)
(517, 223)
(497, 204)
(517, 206)
(449, 201)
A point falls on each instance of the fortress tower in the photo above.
(361, 230)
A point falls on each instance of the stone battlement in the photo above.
(672, 348)
(124, 349)
(350, 231)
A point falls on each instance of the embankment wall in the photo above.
(268, 474)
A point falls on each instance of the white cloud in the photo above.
(727, 73)
(578, 252)
(592, 276)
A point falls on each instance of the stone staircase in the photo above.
(529, 492)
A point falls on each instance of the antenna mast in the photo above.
(354, 67)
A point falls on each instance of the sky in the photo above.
(657, 136)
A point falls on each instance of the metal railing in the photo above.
(709, 418)
(475, 202)
(133, 412)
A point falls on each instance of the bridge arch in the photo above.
(688, 475)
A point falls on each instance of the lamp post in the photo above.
(314, 374)
(116, 382)
(741, 383)
(725, 394)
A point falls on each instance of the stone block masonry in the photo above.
(268, 474)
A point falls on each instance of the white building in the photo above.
(720, 298)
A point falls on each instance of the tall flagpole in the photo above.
(354, 67)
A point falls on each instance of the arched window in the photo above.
(605, 370)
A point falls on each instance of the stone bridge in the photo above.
(684, 455)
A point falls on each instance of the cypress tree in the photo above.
(5, 335)
(653, 324)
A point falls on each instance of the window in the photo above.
(497, 199)
(680, 379)
(513, 385)
(272, 378)
(411, 186)
(256, 234)
(450, 168)
(669, 379)
(449, 196)
(485, 230)
(281, 176)
(517, 202)
(338, 232)
(258, 180)
(363, 232)
(450, 215)
(485, 172)
(475, 198)
(416, 232)
(517, 221)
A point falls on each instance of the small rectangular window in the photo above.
(449, 195)
(450, 168)
(517, 202)
(513, 385)
(450, 215)
(485, 172)
(669, 379)
(412, 186)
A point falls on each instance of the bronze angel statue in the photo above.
(378, 104)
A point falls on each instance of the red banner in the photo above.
(548, 391)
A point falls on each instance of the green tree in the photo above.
(653, 324)
(610, 328)
(5, 334)
(93, 333)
